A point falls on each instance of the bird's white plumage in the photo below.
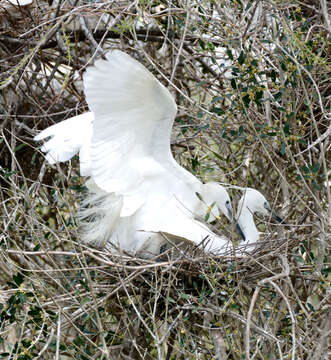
(138, 191)
(135, 113)
(20, 2)
(130, 143)
(68, 138)
(252, 202)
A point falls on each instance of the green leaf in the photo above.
(216, 99)
(8, 173)
(258, 98)
(235, 71)
(184, 296)
(22, 297)
(283, 66)
(286, 129)
(305, 169)
(311, 307)
(248, 6)
(35, 311)
(273, 76)
(19, 147)
(78, 188)
(202, 44)
(241, 58)
(229, 53)
(18, 279)
(37, 247)
(254, 63)
(217, 110)
(201, 83)
(315, 168)
(195, 163)
(199, 196)
(326, 271)
(300, 259)
(315, 185)
(282, 148)
(231, 267)
(234, 306)
(233, 84)
(290, 115)
(278, 96)
(246, 100)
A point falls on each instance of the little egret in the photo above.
(253, 202)
(138, 194)
(20, 2)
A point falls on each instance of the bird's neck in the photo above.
(246, 222)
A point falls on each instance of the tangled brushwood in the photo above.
(252, 81)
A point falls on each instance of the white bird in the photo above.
(139, 194)
(20, 2)
(252, 202)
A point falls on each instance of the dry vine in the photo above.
(252, 81)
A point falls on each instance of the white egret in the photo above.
(138, 192)
(20, 2)
(252, 202)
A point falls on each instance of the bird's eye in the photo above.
(227, 202)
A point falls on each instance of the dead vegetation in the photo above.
(252, 81)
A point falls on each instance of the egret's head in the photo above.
(254, 201)
(216, 195)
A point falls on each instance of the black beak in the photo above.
(238, 228)
(276, 217)
(240, 232)
(273, 214)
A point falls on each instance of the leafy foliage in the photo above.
(252, 82)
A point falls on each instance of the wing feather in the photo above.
(134, 113)
(68, 138)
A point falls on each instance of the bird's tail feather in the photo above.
(98, 216)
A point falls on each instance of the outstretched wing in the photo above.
(68, 138)
(124, 142)
(134, 114)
